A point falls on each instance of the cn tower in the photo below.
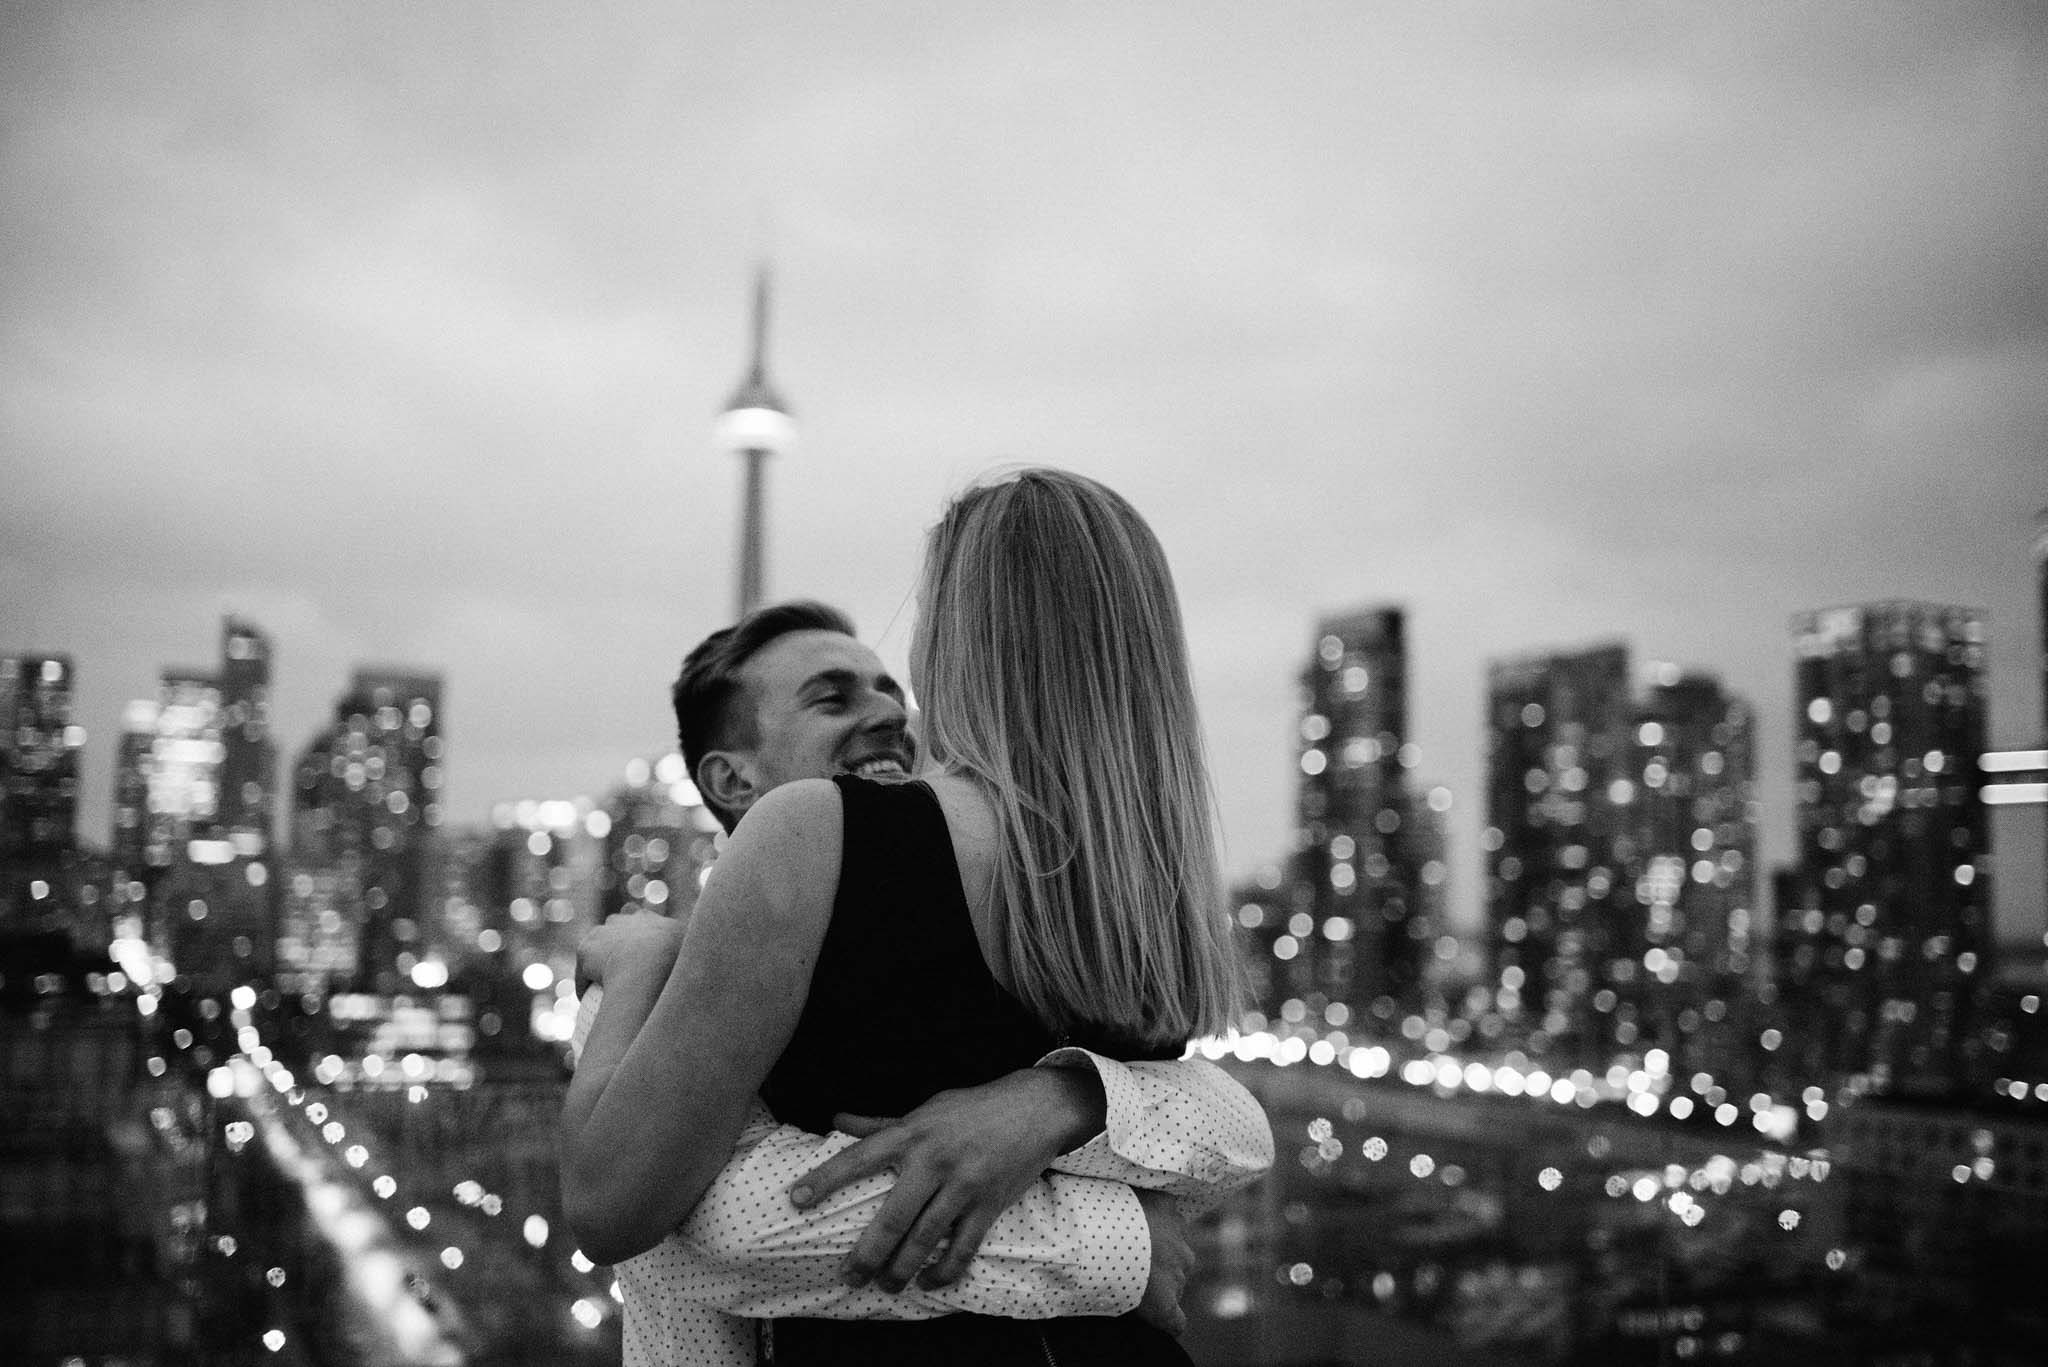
(754, 426)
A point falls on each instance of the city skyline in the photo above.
(1547, 333)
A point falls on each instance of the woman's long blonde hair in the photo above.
(1051, 667)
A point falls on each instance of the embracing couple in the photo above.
(909, 1086)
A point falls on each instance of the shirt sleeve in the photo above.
(1070, 1246)
(1186, 1128)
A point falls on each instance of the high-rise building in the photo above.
(195, 798)
(2041, 589)
(659, 838)
(754, 426)
(1260, 908)
(1560, 744)
(128, 839)
(184, 764)
(42, 876)
(1686, 963)
(38, 759)
(248, 769)
(184, 800)
(366, 805)
(1880, 964)
(1355, 942)
(543, 893)
(319, 922)
(1426, 831)
(241, 853)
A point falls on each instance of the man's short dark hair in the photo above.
(704, 691)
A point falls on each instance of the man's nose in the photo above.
(884, 712)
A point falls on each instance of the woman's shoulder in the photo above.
(789, 842)
(797, 800)
(970, 815)
(971, 826)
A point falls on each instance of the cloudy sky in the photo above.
(401, 330)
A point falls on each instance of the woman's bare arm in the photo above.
(652, 1114)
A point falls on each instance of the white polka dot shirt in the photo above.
(1076, 1244)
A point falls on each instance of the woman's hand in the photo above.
(636, 941)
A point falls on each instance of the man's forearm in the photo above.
(1070, 1246)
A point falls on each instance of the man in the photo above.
(789, 693)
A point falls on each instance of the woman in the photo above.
(867, 944)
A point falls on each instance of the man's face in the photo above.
(823, 705)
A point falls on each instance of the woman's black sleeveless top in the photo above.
(903, 1006)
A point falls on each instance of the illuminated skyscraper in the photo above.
(184, 764)
(2041, 586)
(195, 791)
(1686, 965)
(248, 770)
(659, 838)
(38, 784)
(1353, 941)
(184, 799)
(1881, 963)
(128, 842)
(366, 805)
(38, 759)
(319, 923)
(1262, 910)
(1560, 744)
(542, 892)
(754, 426)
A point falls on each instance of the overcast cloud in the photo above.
(401, 329)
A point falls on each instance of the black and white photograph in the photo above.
(816, 685)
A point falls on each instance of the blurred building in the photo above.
(659, 840)
(248, 767)
(42, 871)
(1560, 749)
(366, 807)
(1945, 1211)
(319, 926)
(1262, 907)
(1426, 828)
(99, 1214)
(38, 760)
(2015, 1029)
(183, 767)
(129, 833)
(1687, 962)
(189, 922)
(1883, 952)
(1354, 942)
(457, 933)
(542, 885)
(2041, 582)
(195, 811)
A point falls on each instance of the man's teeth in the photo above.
(874, 767)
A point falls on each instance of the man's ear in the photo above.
(727, 779)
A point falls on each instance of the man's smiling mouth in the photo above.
(883, 765)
